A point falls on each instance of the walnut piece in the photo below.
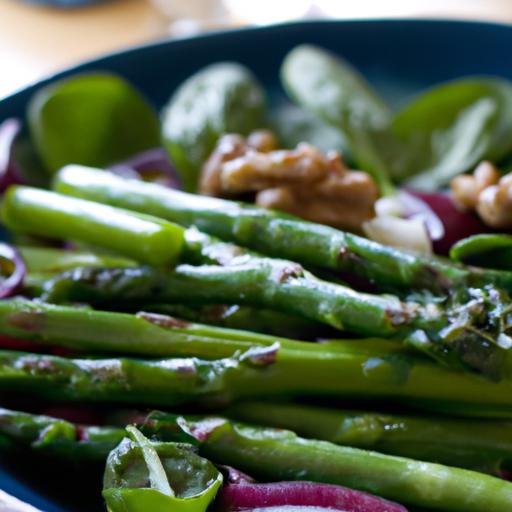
(466, 187)
(303, 181)
(487, 193)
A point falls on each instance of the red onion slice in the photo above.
(301, 496)
(152, 165)
(12, 263)
(457, 224)
(9, 171)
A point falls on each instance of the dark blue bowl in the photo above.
(400, 57)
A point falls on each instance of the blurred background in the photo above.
(39, 37)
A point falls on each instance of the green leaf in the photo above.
(294, 125)
(486, 250)
(139, 474)
(331, 89)
(221, 98)
(93, 120)
(452, 127)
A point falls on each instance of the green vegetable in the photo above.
(179, 480)
(469, 330)
(139, 236)
(364, 369)
(145, 333)
(266, 321)
(480, 445)
(95, 119)
(48, 260)
(452, 127)
(221, 98)
(294, 125)
(486, 250)
(270, 454)
(58, 438)
(335, 92)
(278, 235)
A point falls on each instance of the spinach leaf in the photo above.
(221, 98)
(330, 88)
(450, 128)
(485, 250)
(94, 120)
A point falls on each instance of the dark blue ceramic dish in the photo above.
(400, 57)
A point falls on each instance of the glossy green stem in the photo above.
(277, 234)
(269, 454)
(141, 237)
(49, 260)
(261, 282)
(481, 445)
(351, 372)
(277, 455)
(145, 334)
(461, 333)
(58, 437)
(266, 321)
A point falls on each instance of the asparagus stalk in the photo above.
(277, 455)
(270, 454)
(469, 331)
(278, 235)
(58, 437)
(266, 321)
(260, 372)
(144, 333)
(43, 263)
(474, 444)
(142, 237)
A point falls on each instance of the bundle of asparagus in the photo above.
(95, 327)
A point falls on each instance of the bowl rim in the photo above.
(204, 38)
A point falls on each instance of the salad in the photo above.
(303, 308)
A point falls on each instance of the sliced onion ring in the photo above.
(152, 165)
(11, 260)
(301, 496)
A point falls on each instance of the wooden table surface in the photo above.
(35, 41)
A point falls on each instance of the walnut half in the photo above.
(302, 181)
(487, 193)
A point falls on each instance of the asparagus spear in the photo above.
(277, 234)
(474, 444)
(143, 333)
(258, 372)
(270, 454)
(142, 237)
(469, 331)
(58, 437)
(266, 321)
(278, 454)
(44, 262)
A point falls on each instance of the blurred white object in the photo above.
(191, 16)
(405, 205)
(229, 12)
(408, 234)
(9, 503)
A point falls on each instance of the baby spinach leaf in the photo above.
(486, 250)
(450, 128)
(221, 98)
(93, 119)
(330, 88)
